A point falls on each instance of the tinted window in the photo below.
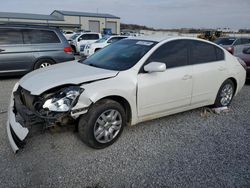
(245, 41)
(237, 42)
(32, 36)
(10, 36)
(219, 54)
(115, 39)
(202, 52)
(174, 54)
(225, 41)
(89, 37)
(75, 36)
(121, 55)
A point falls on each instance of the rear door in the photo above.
(15, 56)
(44, 43)
(209, 71)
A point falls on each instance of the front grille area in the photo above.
(24, 109)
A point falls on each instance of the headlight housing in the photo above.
(64, 100)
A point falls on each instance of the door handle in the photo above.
(186, 77)
(1, 50)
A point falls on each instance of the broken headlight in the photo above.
(64, 100)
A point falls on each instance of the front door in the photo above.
(160, 92)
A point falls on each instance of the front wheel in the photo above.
(225, 94)
(103, 124)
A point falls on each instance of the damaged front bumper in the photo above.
(15, 131)
(21, 119)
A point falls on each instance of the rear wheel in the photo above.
(225, 94)
(42, 63)
(103, 124)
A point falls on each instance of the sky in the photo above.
(166, 14)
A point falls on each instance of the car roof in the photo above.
(156, 38)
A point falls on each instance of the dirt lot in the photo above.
(183, 150)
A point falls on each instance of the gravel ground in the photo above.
(183, 150)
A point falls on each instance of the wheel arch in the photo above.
(42, 58)
(123, 102)
(235, 83)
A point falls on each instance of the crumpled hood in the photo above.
(72, 72)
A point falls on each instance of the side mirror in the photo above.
(80, 38)
(155, 67)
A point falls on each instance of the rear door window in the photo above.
(202, 52)
(10, 36)
(33, 36)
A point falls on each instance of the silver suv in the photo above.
(23, 49)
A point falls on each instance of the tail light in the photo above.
(242, 63)
(68, 50)
(231, 49)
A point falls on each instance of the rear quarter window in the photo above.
(33, 36)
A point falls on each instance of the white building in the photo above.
(65, 20)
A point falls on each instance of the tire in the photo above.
(94, 128)
(225, 94)
(43, 63)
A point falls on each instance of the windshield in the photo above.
(102, 40)
(121, 55)
(225, 41)
(74, 36)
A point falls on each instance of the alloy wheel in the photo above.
(226, 94)
(107, 126)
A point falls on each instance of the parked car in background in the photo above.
(68, 34)
(90, 49)
(84, 39)
(128, 82)
(23, 49)
(73, 37)
(234, 45)
(245, 56)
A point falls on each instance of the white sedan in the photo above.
(131, 81)
(90, 49)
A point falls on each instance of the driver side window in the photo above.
(173, 54)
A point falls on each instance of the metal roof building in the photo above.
(65, 20)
